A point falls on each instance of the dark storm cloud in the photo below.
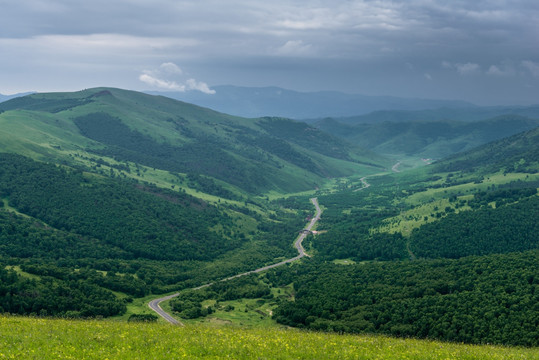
(484, 51)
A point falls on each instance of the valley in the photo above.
(155, 304)
(113, 199)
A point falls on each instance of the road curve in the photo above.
(364, 183)
(395, 168)
(154, 304)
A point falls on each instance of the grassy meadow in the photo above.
(35, 338)
(433, 200)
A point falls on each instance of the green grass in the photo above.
(488, 180)
(247, 313)
(34, 338)
(138, 306)
(411, 219)
(19, 272)
(344, 262)
(251, 313)
(434, 200)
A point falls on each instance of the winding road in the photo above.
(155, 304)
(364, 182)
(395, 167)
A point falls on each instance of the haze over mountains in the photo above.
(437, 129)
(275, 101)
(387, 125)
(429, 139)
(253, 102)
(8, 97)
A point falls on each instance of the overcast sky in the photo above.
(484, 51)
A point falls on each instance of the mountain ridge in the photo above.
(12, 96)
(158, 132)
(427, 139)
(275, 101)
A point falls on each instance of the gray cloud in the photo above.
(532, 67)
(374, 47)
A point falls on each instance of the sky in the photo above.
(482, 51)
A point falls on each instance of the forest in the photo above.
(143, 221)
(102, 235)
(50, 296)
(507, 228)
(489, 299)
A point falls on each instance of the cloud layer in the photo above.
(489, 47)
(163, 78)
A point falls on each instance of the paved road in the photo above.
(154, 304)
(364, 182)
(394, 168)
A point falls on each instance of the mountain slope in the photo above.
(519, 152)
(254, 155)
(466, 114)
(134, 221)
(430, 139)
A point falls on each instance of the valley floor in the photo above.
(36, 338)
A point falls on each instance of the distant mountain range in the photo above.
(478, 113)
(9, 97)
(255, 102)
(273, 101)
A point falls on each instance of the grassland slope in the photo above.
(253, 155)
(30, 338)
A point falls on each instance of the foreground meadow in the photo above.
(35, 338)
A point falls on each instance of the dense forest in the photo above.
(106, 234)
(51, 296)
(347, 221)
(144, 221)
(507, 228)
(416, 135)
(489, 299)
(307, 136)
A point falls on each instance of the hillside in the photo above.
(73, 237)
(108, 195)
(464, 114)
(519, 152)
(428, 139)
(122, 127)
(116, 340)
